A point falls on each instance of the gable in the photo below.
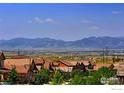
(2, 57)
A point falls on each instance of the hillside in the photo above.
(91, 42)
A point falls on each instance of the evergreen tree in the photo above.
(58, 78)
(42, 77)
(13, 77)
(76, 80)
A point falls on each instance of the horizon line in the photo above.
(61, 39)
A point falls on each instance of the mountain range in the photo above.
(90, 42)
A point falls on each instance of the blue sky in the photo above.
(61, 21)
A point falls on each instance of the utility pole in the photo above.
(18, 52)
(103, 56)
(106, 54)
(113, 58)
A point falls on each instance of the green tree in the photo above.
(42, 77)
(76, 80)
(106, 72)
(95, 77)
(91, 77)
(58, 78)
(66, 76)
(76, 72)
(13, 77)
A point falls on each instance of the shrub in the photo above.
(58, 78)
(42, 77)
(13, 77)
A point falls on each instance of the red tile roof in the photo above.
(19, 57)
(100, 65)
(22, 65)
(66, 63)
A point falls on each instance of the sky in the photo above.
(67, 22)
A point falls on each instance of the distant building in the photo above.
(53, 65)
(62, 65)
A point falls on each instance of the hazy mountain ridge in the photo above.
(91, 42)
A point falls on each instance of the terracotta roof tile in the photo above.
(98, 66)
(22, 65)
(66, 62)
(19, 57)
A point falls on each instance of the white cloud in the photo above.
(116, 12)
(94, 28)
(38, 20)
(85, 21)
(50, 20)
(90, 24)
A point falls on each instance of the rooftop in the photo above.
(2, 57)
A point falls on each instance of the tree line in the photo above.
(58, 77)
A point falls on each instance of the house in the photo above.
(84, 65)
(39, 63)
(62, 65)
(42, 63)
(21, 64)
(3, 70)
(66, 66)
(53, 65)
(25, 67)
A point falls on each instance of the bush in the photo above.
(58, 78)
(76, 80)
(42, 77)
(13, 77)
(78, 72)
(66, 76)
(106, 72)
